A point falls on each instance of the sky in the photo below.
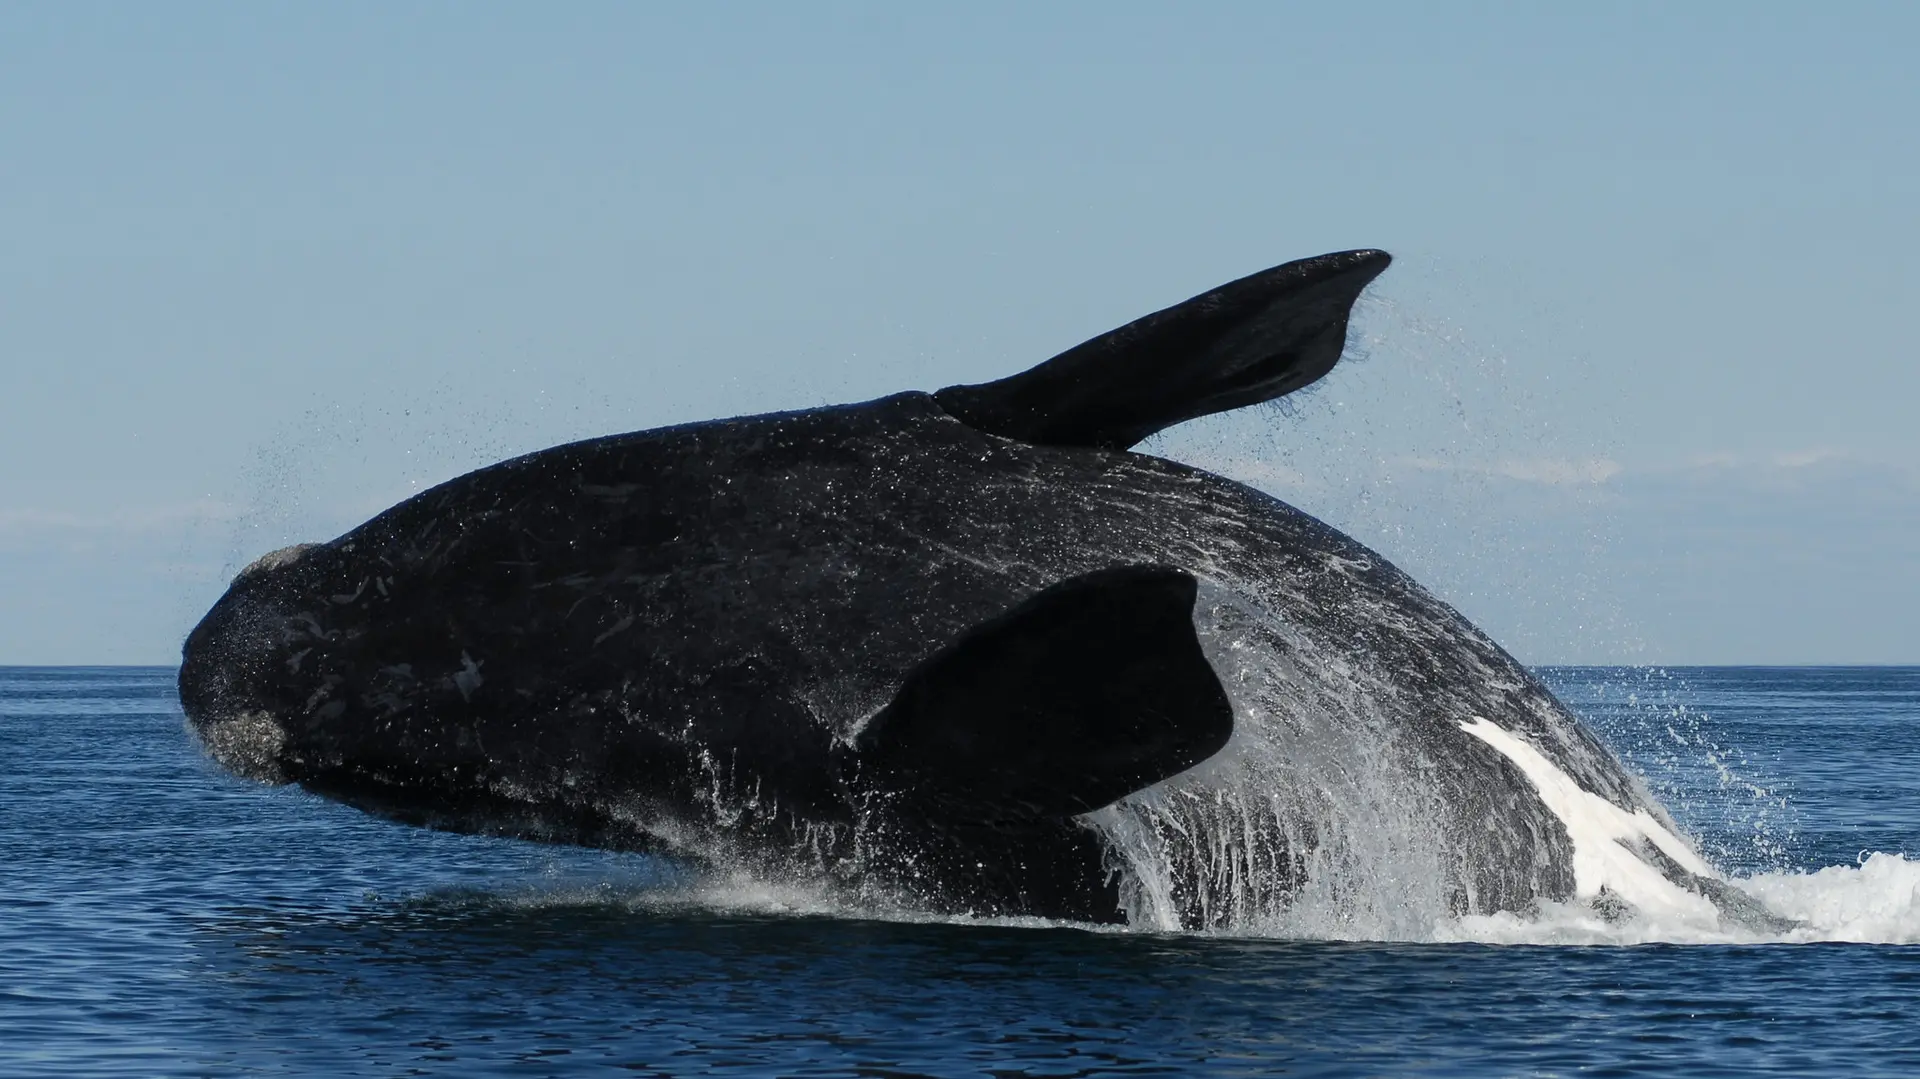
(1640, 388)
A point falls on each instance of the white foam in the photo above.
(1875, 902)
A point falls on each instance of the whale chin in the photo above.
(248, 744)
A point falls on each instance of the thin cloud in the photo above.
(1252, 471)
(1791, 471)
(1560, 472)
(1549, 471)
(123, 519)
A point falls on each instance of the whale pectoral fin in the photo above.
(1253, 340)
(1086, 692)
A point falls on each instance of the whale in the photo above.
(966, 651)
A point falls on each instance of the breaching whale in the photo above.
(963, 649)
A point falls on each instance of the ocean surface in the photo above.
(158, 918)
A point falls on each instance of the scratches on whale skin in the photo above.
(1346, 566)
(342, 599)
(388, 703)
(396, 690)
(612, 492)
(467, 679)
(623, 625)
(322, 692)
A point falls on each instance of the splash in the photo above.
(1305, 825)
(1314, 824)
(1875, 902)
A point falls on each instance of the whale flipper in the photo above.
(1082, 694)
(1252, 340)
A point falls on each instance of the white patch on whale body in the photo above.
(247, 744)
(1602, 834)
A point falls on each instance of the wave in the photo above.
(1874, 902)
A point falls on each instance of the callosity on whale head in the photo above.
(960, 650)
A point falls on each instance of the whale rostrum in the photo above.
(962, 650)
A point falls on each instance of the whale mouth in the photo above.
(477, 805)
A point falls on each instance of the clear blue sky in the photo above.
(1641, 387)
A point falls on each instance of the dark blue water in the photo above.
(159, 918)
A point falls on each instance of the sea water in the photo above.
(160, 918)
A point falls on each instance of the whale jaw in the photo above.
(246, 743)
